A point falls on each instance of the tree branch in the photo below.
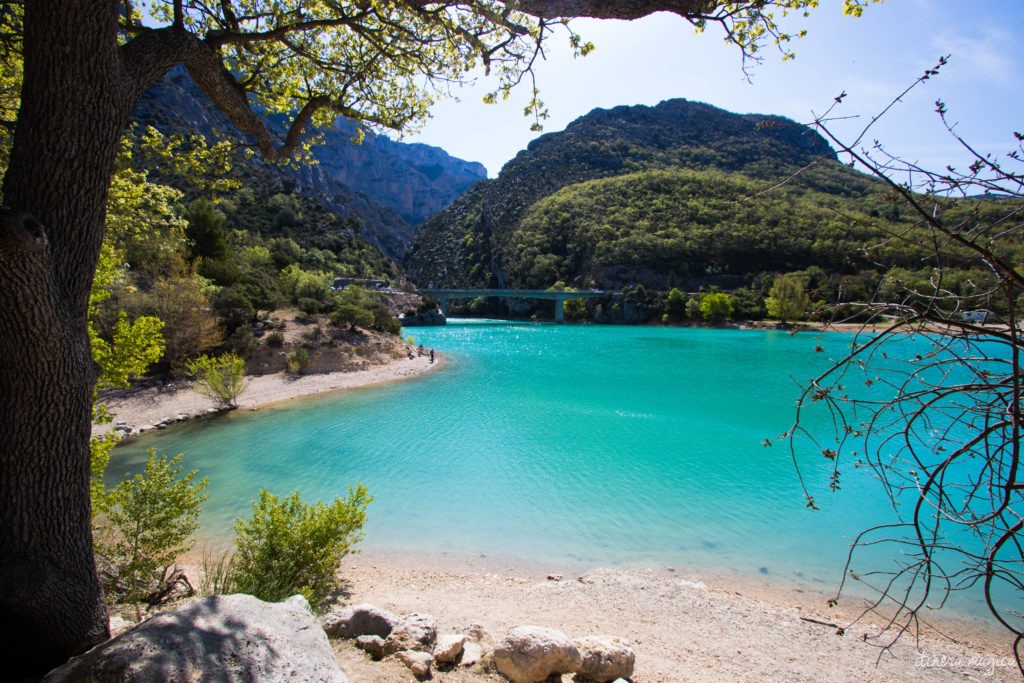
(615, 9)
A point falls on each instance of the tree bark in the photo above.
(72, 113)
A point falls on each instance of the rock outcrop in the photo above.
(218, 638)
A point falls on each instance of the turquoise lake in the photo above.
(562, 444)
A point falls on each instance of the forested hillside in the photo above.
(204, 239)
(680, 195)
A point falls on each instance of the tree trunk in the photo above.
(56, 186)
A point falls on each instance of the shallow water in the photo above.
(566, 444)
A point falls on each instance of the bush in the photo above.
(297, 361)
(221, 378)
(693, 307)
(275, 340)
(151, 519)
(310, 306)
(242, 341)
(675, 303)
(716, 306)
(289, 547)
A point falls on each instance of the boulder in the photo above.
(416, 661)
(231, 638)
(359, 620)
(448, 647)
(414, 631)
(530, 654)
(371, 645)
(480, 644)
(472, 652)
(604, 658)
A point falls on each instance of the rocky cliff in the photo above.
(388, 186)
(415, 180)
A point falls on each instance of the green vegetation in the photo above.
(288, 546)
(222, 378)
(356, 306)
(788, 300)
(297, 361)
(149, 522)
(665, 226)
(716, 306)
(689, 197)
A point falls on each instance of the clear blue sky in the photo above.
(872, 59)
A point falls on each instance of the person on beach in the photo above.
(431, 355)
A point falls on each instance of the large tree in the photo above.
(85, 64)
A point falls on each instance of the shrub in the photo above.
(309, 305)
(151, 519)
(575, 309)
(297, 361)
(716, 306)
(352, 315)
(275, 340)
(675, 303)
(289, 547)
(693, 307)
(242, 341)
(222, 378)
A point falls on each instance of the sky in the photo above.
(872, 58)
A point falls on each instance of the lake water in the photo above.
(569, 445)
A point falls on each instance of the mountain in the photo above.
(654, 196)
(416, 180)
(388, 186)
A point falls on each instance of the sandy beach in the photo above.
(683, 626)
(142, 409)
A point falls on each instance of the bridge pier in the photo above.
(560, 310)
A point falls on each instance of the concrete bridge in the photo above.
(557, 295)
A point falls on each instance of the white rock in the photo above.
(417, 662)
(230, 638)
(472, 652)
(604, 658)
(448, 647)
(371, 645)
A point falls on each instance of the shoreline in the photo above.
(137, 411)
(683, 626)
(684, 623)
